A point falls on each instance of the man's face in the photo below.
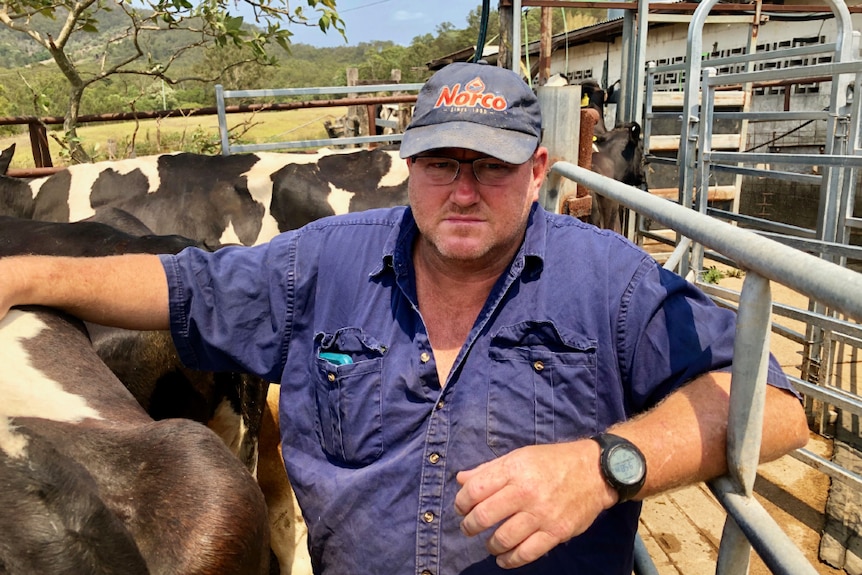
(468, 221)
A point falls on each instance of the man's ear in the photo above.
(540, 170)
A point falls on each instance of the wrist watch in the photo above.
(622, 464)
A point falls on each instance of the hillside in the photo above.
(17, 50)
(44, 91)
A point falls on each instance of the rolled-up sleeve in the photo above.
(229, 309)
(671, 333)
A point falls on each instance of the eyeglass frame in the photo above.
(472, 168)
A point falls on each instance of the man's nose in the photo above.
(466, 184)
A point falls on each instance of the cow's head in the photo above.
(594, 97)
(620, 155)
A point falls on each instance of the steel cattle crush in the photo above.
(763, 260)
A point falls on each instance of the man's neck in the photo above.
(450, 299)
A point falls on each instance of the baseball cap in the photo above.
(478, 107)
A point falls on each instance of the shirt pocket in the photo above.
(348, 389)
(542, 386)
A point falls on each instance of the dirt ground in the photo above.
(682, 530)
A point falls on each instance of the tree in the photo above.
(137, 51)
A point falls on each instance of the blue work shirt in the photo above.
(582, 331)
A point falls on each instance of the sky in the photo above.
(396, 20)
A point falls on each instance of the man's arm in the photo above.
(547, 494)
(129, 291)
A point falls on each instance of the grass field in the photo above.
(105, 141)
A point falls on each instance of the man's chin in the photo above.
(464, 251)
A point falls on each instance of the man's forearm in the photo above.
(127, 291)
(701, 407)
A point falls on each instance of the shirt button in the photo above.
(330, 376)
(424, 357)
(434, 457)
(440, 404)
(426, 572)
(538, 366)
(427, 517)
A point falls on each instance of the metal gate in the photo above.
(812, 262)
(748, 524)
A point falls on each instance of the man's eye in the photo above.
(435, 163)
(439, 164)
(497, 166)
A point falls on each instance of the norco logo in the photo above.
(473, 95)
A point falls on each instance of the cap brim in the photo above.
(507, 145)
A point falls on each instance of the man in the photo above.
(448, 370)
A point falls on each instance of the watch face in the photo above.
(625, 465)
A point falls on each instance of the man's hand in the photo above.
(541, 495)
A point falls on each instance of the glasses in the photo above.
(444, 171)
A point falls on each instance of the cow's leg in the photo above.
(606, 213)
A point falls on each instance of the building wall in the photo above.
(666, 44)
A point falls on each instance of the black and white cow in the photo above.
(241, 199)
(231, 404)
(92, 484)
(147, 362)
(237, 199)
(594, 96)
(617, 154)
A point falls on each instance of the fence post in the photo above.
(39, 145)
(561, 111)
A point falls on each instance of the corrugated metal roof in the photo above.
(605, 31)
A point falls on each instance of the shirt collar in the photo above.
(397, 248)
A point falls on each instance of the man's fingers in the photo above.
(490, 511)
(477, 485)
(511, 533)
(530, 549)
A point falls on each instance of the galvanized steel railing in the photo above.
(228, 149)
(748, 524)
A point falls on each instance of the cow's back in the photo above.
(185, 501)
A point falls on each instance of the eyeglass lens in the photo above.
(442, 171)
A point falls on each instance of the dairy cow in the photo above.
(233, 405)
(92, 484)
(147, 362)
(240, 199)
(617, 154)
(594, 97)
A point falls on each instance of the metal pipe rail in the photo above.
(762, 225)
(760, 172)
(836, 286)
(827, 467)
(840, 331)
(794, 73)
(748, 524)
(241, 148)
(222, 95)
(789, 116)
